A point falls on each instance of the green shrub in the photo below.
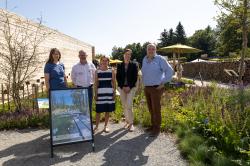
(183, 131)
(140, 110)
(201, 154)
(220, 160)
(24, 119)
(212, 124)
(197, 163)
(189, 143)
(117, 115)
(220, 116)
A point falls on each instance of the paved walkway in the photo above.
(209, 83)
(119, 148)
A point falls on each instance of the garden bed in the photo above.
(212, 123)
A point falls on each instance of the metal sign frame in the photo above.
(76, 111)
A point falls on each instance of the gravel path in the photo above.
(119, 148)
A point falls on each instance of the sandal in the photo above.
(126, 125)
(131, 128)
(95, 129)
(106, 129)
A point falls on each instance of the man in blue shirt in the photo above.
(156, 71)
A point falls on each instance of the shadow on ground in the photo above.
(128, 152)
(117, 151)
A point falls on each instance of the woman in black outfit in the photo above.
(126, 76)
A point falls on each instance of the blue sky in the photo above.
(66, 94)
(106, 23)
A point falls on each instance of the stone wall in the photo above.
(67, 45)
(214, 71)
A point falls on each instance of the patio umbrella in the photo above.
(115, 61)
(179, 49)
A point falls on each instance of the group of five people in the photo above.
(101, 83)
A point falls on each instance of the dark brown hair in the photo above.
(81, 51)
(52, 51)
(127, 50)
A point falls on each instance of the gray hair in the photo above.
(151, 45)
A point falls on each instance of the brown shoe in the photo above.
(149, 129)
(154, 133)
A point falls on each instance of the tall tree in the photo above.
(238, 12)
(180, 34)
(138, 51)
(164, 38)
(167, 38)
(19, 51)
(172, 37)
(117, 53)
(229, 36)
(204, 39)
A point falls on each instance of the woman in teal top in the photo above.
(54, 71)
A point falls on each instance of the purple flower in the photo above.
(206, 121)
